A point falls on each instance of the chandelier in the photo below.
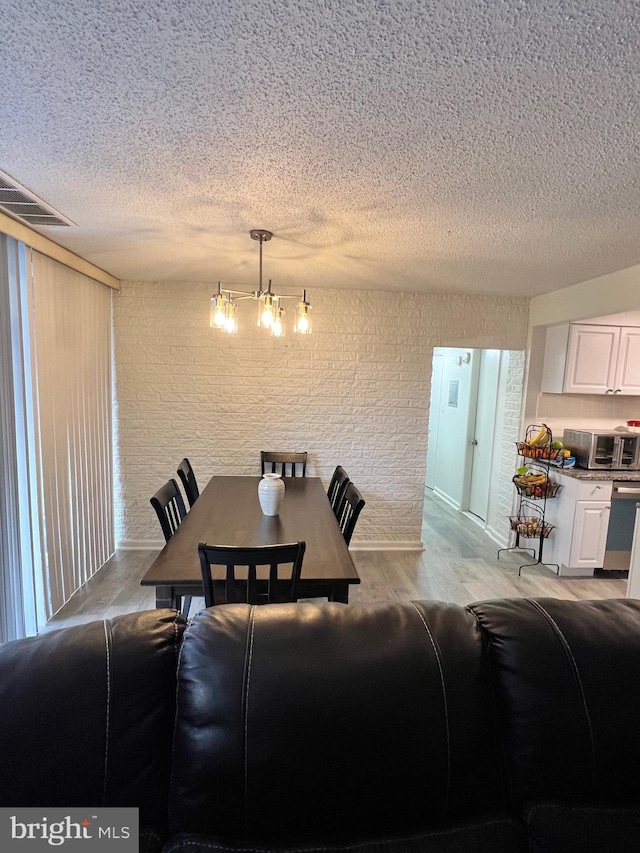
(222, 313)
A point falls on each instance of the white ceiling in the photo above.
(429, 145)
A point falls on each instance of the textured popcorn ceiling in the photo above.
(458, 145)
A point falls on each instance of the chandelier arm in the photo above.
(256, 294)
(240, 294)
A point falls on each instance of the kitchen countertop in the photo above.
(584, 474)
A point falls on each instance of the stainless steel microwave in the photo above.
(617, 451)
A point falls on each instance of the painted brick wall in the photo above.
(355, 392)
(506, 496)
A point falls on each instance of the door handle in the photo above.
(473, 441)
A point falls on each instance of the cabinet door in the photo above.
(627, 378)
(591, 360)
(589, 539)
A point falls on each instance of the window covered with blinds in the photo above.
(58, 480)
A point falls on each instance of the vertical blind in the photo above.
(70, 321)
(56, 491)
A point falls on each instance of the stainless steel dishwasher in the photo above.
(624, 496)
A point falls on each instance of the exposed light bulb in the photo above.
(217, 311)
(268, 311)
(302, 322)
(277, 329)
(230, 322)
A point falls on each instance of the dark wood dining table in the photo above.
(228, 513)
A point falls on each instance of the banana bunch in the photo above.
(532, 479)
(541, 439)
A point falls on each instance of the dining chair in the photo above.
(278, 589)
(188, 479)
(280, 463)
(170, 509)
(337, 486)
(348, 511)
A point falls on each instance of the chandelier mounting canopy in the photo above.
(260, 234)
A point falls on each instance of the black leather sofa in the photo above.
(509, 725)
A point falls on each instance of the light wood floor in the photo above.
(459, 564)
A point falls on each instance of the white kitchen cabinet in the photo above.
(580, 515)
(592, 359)
(590, 524)
(627, 378)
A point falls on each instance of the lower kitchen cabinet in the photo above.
(580, 514)
(590, 524)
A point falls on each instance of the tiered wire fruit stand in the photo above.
(535, 487)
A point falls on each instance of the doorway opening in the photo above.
(474, 421)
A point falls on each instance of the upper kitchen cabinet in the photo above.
(589, 359)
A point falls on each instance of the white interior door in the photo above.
(483, 433)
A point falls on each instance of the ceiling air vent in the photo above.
(18, 202)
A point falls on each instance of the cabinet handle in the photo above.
(609, 391)
(618, 390)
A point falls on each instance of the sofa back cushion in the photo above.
(87, 712)
(567, 679)
(315, 721)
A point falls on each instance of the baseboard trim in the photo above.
(446, 498)
(495, 536)
(489, 531)
(382, 545)
(140, 544)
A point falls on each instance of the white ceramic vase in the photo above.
(270, 493)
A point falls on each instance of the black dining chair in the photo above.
(281, 463)
(278, 589)
(349, 510)
(337, 487)
(170, 509)
(188, 479)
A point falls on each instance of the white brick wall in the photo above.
(355, 392)
(506, 495)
